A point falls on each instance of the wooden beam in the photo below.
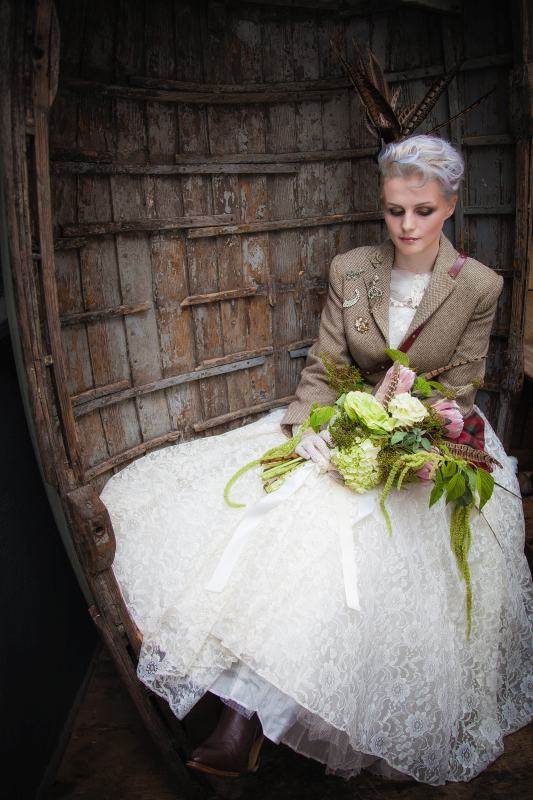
(299, 352)
(485, 141)
(242, 412)
(300, 343)
(167, 438)
(217, 297)
(166, 383)
(105, 228)
(331, 84)
(82, 317)
(216, 362)
(76, 243)
(275, 158)
(440, 6)
(41, 88)
(129, 455)
(100, 168)
(284, 224)
(316, 91)
(70, 160)
(73, 85)
(492, 210)
(98, 391)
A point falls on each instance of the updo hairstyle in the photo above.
(428, 156)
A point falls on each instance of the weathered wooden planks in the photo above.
(216, 297)
(257, 279)
(210, 365)
(99, 168)
(80, 317)
(129, 225)
(140, 389)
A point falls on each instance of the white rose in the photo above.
(407, 409)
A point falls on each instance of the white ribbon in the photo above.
(365, 506)
(253, 516)
(251, 519)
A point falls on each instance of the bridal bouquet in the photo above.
(386, 436)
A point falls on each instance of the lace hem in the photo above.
(398, 680)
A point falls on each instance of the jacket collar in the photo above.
(437, 290)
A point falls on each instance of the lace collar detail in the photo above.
(407, 288)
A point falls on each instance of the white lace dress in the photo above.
(388, 682)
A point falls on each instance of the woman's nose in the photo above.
(408, 222)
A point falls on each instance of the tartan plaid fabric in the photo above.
(473, 432)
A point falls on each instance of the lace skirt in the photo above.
(392, 682)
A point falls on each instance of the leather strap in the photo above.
(453, 272)
(455, 269)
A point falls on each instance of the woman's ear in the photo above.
(451, 208)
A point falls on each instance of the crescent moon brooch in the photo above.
(352, 301)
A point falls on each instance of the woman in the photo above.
(394, 686)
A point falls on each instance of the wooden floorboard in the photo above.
(110, 757)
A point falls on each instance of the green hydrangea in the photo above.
(358, 465)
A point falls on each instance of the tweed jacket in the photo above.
(458, 314)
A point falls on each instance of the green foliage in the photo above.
(460, 540)
(454, 477)
(434, 425)
(404, 466)
(344, 432)
(232, 480)
(484, 485)
(439, 387)
(280, 460)
(425, 388)
(436, 493)
(421, 387)
(399, 356)
(411, 440)
(320, 415)
(342, 378)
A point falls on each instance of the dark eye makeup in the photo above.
(424, 212)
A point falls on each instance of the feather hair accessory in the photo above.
(384, 117)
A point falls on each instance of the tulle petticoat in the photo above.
(396, 680)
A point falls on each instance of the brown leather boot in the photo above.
(232, 750)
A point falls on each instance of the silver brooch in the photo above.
(375, 293)
(353, 301)
(354, 273)
(362, 324)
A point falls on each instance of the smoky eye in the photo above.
(424, 212)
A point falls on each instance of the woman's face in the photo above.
(415, 215)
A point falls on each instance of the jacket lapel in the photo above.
(378, 276)
(439, 286)
(437, 290)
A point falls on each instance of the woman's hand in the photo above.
(314, 446)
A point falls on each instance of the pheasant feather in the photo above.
(383, 116)
(378, 107)
(427, 103)
(472, 454)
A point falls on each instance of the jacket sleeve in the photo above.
(472, 348)
(313, 386)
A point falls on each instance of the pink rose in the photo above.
(424, 473)
(405, 381)
(448, 410)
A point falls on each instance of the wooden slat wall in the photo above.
(219, 43)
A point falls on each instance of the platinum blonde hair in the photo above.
(425, 155)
